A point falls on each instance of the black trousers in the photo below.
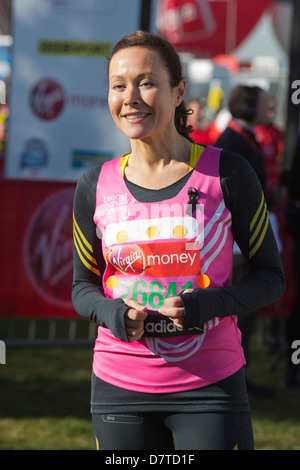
(170, 431)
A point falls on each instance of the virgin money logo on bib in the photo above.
(154, 259)
(127, 259)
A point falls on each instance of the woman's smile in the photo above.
(136, 118)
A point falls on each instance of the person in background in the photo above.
(248, 107)
(199, 123)
(219, 124)
(153, 236)
(271, 140)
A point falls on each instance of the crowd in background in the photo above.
(246, 126)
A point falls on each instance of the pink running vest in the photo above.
(157, 250)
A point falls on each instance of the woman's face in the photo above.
(141, 99)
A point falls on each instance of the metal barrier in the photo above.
(16, 332)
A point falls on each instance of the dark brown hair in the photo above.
(172, 63)
(243, 102)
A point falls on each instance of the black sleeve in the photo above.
(252, 231)
(88, 262)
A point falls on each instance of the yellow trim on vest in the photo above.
(196, 152)
(123, 163)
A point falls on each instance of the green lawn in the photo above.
(276, 420)
(45, 393)
(44, 399)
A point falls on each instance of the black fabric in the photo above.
(173, 431)
(229, 394)
(232, 141)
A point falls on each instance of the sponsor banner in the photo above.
(208, 28)
(60, 123)
(37, 249)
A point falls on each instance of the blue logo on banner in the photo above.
(86, 159)
(35, 154)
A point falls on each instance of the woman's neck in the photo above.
(158, 166)
(158, 154)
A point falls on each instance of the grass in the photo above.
(276, 420)
(45, 394)
(44, 399)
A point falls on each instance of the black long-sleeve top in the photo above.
(242, 194)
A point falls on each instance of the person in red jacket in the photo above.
(201, 127)
(270, 139)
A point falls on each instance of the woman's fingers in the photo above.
(135, 316)
(174, 310)
(134, 320)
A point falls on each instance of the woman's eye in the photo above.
(118, 86)
(146, 84)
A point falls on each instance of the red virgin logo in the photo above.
(128, 259)
(47, 99)
(48, 250)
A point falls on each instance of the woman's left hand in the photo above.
(174, 309)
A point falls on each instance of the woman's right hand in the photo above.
(134, 319)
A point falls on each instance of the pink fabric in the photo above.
(157, 250)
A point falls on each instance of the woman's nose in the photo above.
(131, 96)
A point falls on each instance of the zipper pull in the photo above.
(193, 197)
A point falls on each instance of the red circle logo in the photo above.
(128, 259)
(47, 99)
(49, 248)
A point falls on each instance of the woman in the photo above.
(153, 233)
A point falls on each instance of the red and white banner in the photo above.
(207, 28)
(36, 249)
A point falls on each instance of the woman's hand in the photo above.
(134, 320)
(174, 309)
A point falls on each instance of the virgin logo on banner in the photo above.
(48, 248)
(208, 28)
(37, 259)
(47, 99)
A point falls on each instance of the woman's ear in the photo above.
(181, 88)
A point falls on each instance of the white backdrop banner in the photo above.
(60, 123)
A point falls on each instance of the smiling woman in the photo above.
(139, 99)
(159, 225)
